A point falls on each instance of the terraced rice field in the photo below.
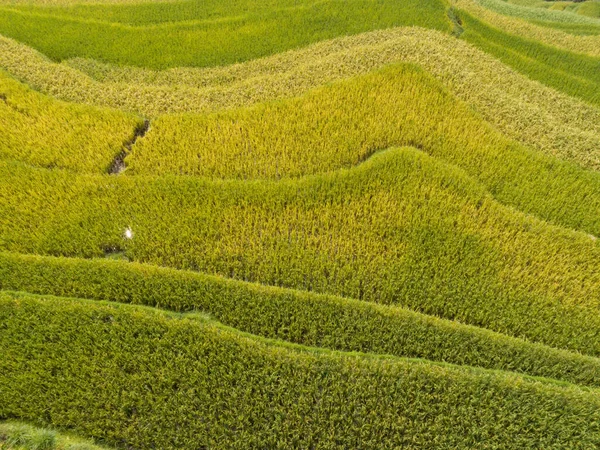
(367, 224)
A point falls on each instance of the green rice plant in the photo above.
(547, 34)
(343, 124)
(216, 38)
(402, 229)
(280, 189)
(48, 3)
(574, 29)
(536, 13)
(556, 123)
(152, 13)
(588, 8)
(143, 378)
(50, 133)
(190, 13)
(295, 316)
(574, 74)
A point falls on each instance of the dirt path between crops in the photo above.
(118, 164)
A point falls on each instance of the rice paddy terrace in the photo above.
(277, 224)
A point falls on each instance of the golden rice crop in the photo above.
(50, 133)
(325, 129)
(342, 124)
(522, 109)
(400, 229)
(403, 192)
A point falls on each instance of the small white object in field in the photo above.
(128, 233)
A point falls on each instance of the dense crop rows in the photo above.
(162, 12)
(295, 316)
(228, 41)
(589, 8)
(49, 133)
(589, 44)
(532, 12)
(385, 239)
(185, 12)
(576, 75)
(211, 386)
(252, 33)
(343, 124)
(334, 127)
(401, 228)
(556, 123)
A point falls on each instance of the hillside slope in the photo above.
(294, 224)
(212, 386)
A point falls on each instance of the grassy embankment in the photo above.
(21, 436)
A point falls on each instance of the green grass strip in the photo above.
(531, 12)
(22, 436)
